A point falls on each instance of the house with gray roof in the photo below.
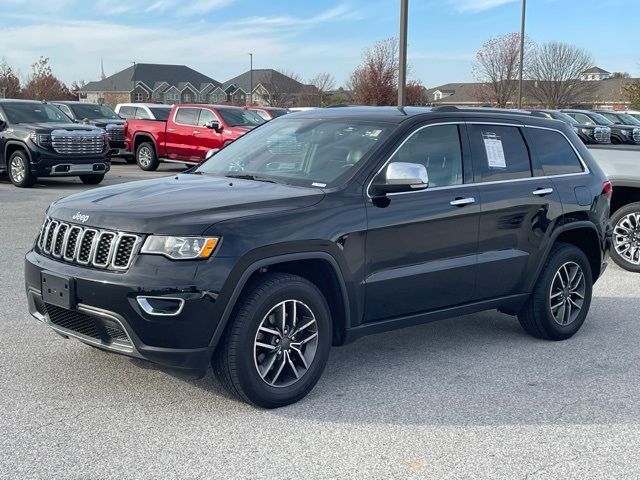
(269, 87)
(594, 74)
(148, 82)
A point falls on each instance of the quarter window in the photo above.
(438, 149)
(499, 153)
(553, 152)
(187, 116)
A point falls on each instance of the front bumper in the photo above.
(49, 164)
(107, 313)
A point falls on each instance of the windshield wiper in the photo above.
(246, 176)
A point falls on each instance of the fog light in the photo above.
(161, 306)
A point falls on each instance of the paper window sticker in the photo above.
(494, 150)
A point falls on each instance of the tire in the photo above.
(91, 179)
(615, 141)
(241, 353)
(537, 317)
(19, 170)
(146, 157)
(626, 228)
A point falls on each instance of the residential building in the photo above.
(594, 74)
(147, 82)
(266, 86)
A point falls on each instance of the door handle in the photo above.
(170, 129)
(196, 132)
(461, 202)
(541, 192)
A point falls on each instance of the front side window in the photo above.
(305, 152)
(28, 112)
(611, 117)
(237, 117)
(582, 119)
(553, 152)
(187, 116)
(142, 114)
(499, 153)
(206, 116)
(438, 149)
(127, 112)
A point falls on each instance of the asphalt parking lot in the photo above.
(471, 397)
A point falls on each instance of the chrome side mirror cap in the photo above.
(402, 177)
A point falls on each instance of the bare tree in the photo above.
(375, 80)
(620, 75)
(497, 66)
(9, 81)
(632, 91)
(324, 82)
(283, 87)
(555, 71)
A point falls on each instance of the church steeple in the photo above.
(102, 75)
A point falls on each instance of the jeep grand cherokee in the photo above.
(320, 227)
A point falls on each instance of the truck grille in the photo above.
(77, 142)
(115, 133)
(87, 246)
(602, 134)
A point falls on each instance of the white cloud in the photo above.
(478, 5)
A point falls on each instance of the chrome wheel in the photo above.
(18, 169)
(145, 156)
(567, 293)
(626, 238)
(285, 343)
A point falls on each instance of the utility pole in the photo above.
(402, 67)
(250, 78)
(134, 82)
(524, 13)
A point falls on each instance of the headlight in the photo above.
(627, 133)
(41, 139)
(180, 248)
(587, 131)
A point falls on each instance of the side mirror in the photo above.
(214, 125)
(402, 177)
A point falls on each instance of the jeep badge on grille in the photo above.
(79, 217)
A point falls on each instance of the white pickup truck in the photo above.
(621, 163)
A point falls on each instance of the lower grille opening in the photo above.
(97, 328)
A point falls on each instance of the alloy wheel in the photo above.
(18, 169)
(567, 293)
(626, 238)
(285, 343)
(144, 156)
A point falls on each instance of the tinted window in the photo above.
(93, 111)
(438, 149)
(553, 152)
(142, 114)
(160, 113)
(582, 118)
(237, 117)
(187, 116)
(499, 153)
(28, 112)
(65, 109)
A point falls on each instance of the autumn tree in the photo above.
(632, 91)
(42, 84)
(415, 93)
(324, 82)
(555, 70)
(375, 80)
(9, 81)
(497, 66)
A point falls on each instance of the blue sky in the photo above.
(214, 36)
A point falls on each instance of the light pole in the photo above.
(134, 81)
(524, 13)
(402, 66)
(250, 78)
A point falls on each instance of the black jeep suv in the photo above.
(323, 226)
(38, 140)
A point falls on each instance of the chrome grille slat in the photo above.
(106, 249)
(77, 142)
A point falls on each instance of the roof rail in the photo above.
(453, 108)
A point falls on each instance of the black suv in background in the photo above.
(98, 116)
(620, 134)
(324, 226)
(38, 140)
(588, 133)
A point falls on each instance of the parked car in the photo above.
(268, 113)
(588, 133)
(622, 118)
(38, 140)
(634, 113)
(191, 131)
(322, 227)
(144, 111)
(98, 116)
(620, 164)
(619, 133)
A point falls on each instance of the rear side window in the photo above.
(127, 112)
(187, 116)
(553, 152)
(499, 153)
(142, 114)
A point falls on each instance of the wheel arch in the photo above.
(140, 137)
(320, 268)
(11, 147)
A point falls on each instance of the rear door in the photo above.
(518, 209)
(421, 246)
(180, 136)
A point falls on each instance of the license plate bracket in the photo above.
(58, 290)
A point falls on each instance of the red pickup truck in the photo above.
(189, 133)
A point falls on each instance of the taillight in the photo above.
(607, 189)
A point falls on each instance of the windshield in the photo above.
(160, 113)
(565, 118)
(305, 152)
(628, 119)
(92, 112)
(237, 117)
(34, 113)
(601, 119)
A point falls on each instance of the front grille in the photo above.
(88, 246)
(636, 135)
(115, 133)
(77, 142)
(602, 134)
(106, 331)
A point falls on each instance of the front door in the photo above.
(179, 138)
(206, 138)
(421, 246)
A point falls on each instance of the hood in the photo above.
(182, 204)
(48, 127)
(103, 122)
